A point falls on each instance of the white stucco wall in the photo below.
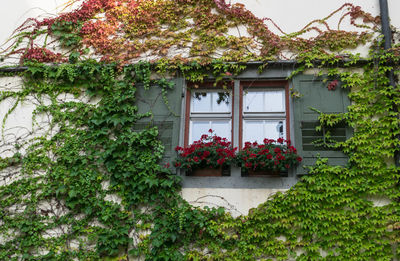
(236, 201)
(290, 15)
(14, 13)
(293, 15)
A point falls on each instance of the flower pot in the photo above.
(206, 172)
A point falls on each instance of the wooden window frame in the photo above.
(208, 86)
(243, 85)
(263, 84)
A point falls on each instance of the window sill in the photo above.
(236, 181)
(226, 172)
(264, 173)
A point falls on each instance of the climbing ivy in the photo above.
(179, 32)
(331, 214)
(90, 187)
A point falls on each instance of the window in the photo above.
(210, 109)
(262, 108)
(264, 111)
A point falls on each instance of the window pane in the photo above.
(201, 102)
(221, 102)
(274, 129)
(253, 101)
(275, 101)
(221, 128)
(258, 130)
(198, 128)
(253, 131)
(211, 102)
(264, 101)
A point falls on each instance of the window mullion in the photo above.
(236, 113)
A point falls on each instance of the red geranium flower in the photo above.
(210, 151)
(248, 164)
(206, 153)
(221, 161)
(272, 155)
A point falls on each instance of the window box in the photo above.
(209, 172)
(206, 172)
(211, 155)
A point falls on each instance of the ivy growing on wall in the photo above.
(88, 186)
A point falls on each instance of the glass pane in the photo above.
(274, 129)
(198, 128)
(258, 130)
(221, 102)
(253, 101)
(211, 102)
(264, 101)
(275, 101)
(221, 128)
(253, 131)
(201, 102)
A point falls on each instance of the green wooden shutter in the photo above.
(167, 120)
(315, 94)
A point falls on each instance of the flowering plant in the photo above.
(210, 151)
(272, 155)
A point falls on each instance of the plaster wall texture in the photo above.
(14, 13)
(16, 125)
(236, 201)
(292, 15)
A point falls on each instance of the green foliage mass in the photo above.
(93, 145)
(328, 215)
